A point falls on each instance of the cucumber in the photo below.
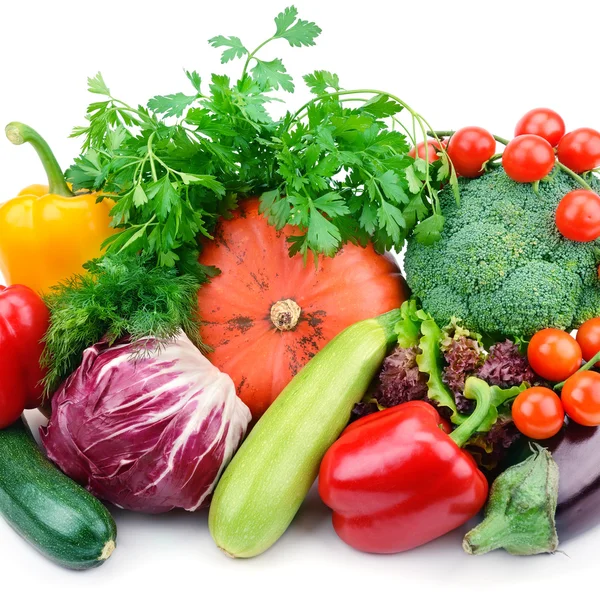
(54, 514)
(264, 485)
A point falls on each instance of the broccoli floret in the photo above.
(501, 265)
(532, 297)
(447, 304)
(589, 305)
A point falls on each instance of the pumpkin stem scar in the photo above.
(285, 315)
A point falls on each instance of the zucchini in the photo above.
(53, 513)
(264, 485)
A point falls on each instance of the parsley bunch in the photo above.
(337, 168)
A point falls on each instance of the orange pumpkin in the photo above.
(267, 314)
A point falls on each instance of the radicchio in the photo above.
(147, 426)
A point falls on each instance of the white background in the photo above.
(458, 63)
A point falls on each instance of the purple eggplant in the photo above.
(576, 450)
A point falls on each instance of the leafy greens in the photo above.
(337, 168)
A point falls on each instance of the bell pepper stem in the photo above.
(478, 390)
(19, 133)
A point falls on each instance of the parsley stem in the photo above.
(424, 126)
(151, 156)
(252, 55)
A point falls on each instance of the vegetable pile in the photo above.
(206, 309)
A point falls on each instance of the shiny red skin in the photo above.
(580, 150)
(578, 216)
(469, 148)
(528, 158)
(395, 480)
(544, 122)
(588, 338)
(581, 398)
(432, 152)
(553, 354)
(538, 413)
(23, 323)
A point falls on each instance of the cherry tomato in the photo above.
(578, 216)
(588, 338)
(433, 148)
(581, 398)
(469, 148)
(528, 158)
(538, 413)
(543, 122)
(580, 150)
(553, 354)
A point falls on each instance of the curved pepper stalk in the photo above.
(47, 235)
(19, 133)
(478, 390)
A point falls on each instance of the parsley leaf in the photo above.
(337, 168)
(296, 32)
(235, 48)
(320, 81)
(272, 75)
(96, 85)
(172, 105)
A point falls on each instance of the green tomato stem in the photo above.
(580, 180)
(450, 133)
(588, 365)
(19, 133)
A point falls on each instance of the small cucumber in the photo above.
(57, 516)
(270, 475)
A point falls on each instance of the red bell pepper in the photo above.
(397, 479)
(23, 322)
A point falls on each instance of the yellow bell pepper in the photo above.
(47, 234)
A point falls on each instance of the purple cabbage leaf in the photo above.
(147, 426)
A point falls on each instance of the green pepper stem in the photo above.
(18, 134)
(478, 390)
(588, 365)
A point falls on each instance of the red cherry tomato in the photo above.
(433, 148)
(543, 122)
(580, 150)
(578, 216)
(553, 354)
(581, 398)
(538, 413)
(528, 158)
(588, 338)
(469, 148)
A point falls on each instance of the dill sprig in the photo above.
(119, 296)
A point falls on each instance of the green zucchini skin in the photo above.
(266, 482)
(53, 513)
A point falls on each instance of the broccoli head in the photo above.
(501, 265)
